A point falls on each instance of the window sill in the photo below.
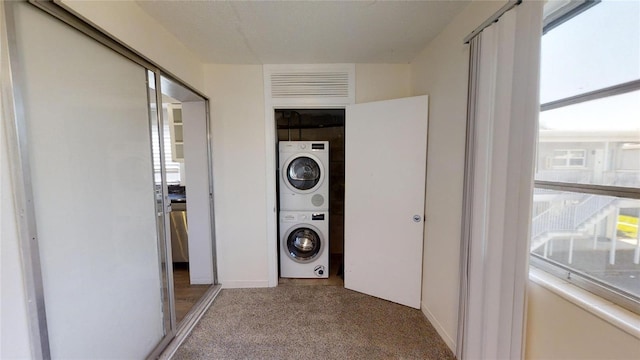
(621, 318)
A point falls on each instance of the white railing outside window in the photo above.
(587, 184)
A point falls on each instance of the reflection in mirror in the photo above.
(187, 172)
(160, 214)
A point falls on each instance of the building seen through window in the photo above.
(586, 201)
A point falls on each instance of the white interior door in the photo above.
(385, 154)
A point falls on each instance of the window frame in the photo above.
(567, 157)
(172, 168)
(574, 276)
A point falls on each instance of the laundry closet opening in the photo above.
(310, 154)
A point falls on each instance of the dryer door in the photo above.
(303, 244)
(303, 173)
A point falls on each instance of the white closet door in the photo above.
(89, 148)
(385, 149)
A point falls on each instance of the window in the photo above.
(173, 168)
(568, 158)
(586, 201)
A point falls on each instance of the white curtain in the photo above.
(503, 113)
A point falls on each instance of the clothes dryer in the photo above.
(304, 244)
(304, 175)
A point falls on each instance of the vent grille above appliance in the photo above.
(307, 85)
(310, 84)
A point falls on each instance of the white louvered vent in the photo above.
(310, 84)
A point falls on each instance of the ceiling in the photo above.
(301, 32)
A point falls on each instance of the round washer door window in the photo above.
(303, 244)
(303, 173)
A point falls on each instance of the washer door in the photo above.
(303, 173)
(303, 244)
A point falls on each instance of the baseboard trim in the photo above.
(201, 281)
(190, 321)
(240, 284)
(439, 328)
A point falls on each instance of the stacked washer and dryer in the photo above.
(304, 209)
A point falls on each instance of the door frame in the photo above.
(273, 177)
(271, 104)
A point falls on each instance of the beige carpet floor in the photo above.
(310, 322)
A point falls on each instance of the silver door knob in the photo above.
(417, 218)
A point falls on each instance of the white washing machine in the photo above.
(304, 175)
(304, 244)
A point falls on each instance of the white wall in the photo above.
(239, 165)
(198, 210)
(382, 82)
(238, 133)
(441, 71)
(130, 24)
(558, 329)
